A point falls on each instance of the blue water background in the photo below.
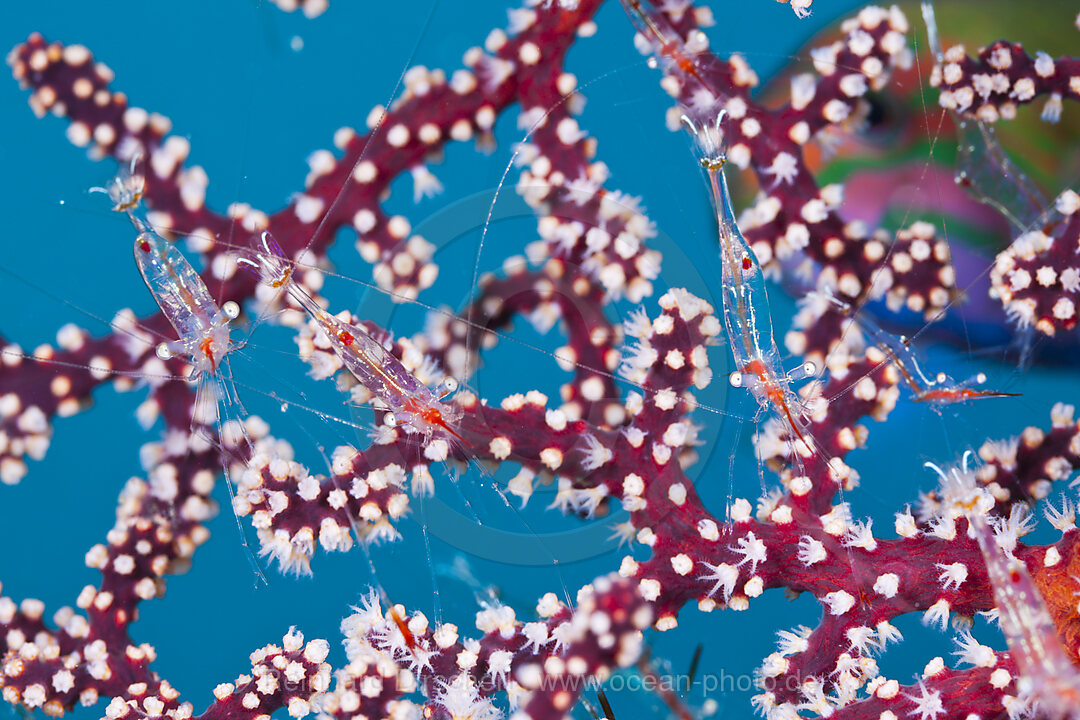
(229, 77)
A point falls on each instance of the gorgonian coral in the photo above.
(607, 445)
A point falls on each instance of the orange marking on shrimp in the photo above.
(774, 393)
(682, 61)
(442, 423)
(410, 639)
(432, 416)
(284, 279)
(755, 367)
(346, 338)
(959, 395)
(791, 422)
(668, 48)
(685, 63)
(939, 395)
(207, 347)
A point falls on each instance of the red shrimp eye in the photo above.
(346, 338)
(747, 263)
(144, 246)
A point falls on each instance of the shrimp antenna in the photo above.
(602, 697)
(340, 195)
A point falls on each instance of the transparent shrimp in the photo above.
(983, 169)
(413, 405)
(201, 325)
(745, 300)
(744, 297)
(667, 49)
(1048, 679)
(900, 351)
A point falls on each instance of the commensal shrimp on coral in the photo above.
(411, 404)
(1049, 680)
(747, 318)
(202, 328)
(898, 352)
(201, 325)
(621, 434)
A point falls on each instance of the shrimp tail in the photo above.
(645, 22)
(663, 39)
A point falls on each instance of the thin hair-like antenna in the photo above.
(338, 197)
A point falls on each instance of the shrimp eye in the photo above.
(447, 387)
(747, 263)
(346, 338)
(144, 246)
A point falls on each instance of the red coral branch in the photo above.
(604, 449)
